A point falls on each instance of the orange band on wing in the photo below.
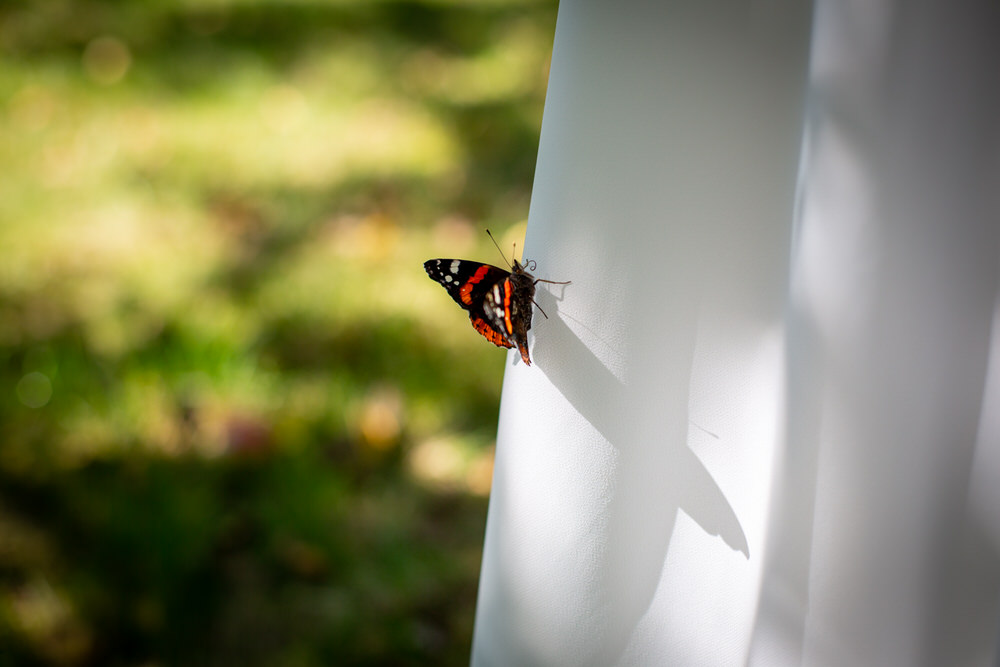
(465, 293)
(506, 306)
(489, 333)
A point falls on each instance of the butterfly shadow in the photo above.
(652, 482)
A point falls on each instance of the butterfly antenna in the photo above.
(498, 247)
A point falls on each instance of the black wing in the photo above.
(468, 283)
(475, 287)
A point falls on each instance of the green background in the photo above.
(238, 423)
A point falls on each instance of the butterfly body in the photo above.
(498, 301)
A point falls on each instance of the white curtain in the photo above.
(762, 425)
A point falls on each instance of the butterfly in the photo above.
(498, 301)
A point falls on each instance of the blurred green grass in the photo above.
(239, 424)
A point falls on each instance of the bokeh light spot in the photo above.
(437, 463)
(34, 390)
(479, 475)
(380, 422)
(106, 60)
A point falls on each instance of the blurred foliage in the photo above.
(239, 424)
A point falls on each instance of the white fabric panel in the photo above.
(874, 558)
(749, 432)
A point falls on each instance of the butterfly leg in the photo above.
(539, 308)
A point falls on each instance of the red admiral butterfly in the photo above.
(498, 301)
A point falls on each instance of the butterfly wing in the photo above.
(479, 289)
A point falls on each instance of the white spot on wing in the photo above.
(454, 265)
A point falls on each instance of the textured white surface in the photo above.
(750, 429)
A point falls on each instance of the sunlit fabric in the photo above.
(761, 427)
